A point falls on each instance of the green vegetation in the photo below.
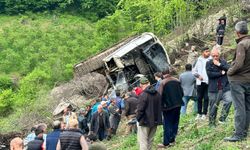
(192, 135)
(40, 41)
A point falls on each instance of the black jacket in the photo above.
(172, 93)
(36, 144)
(130, 106)
(214, 74)
(94, 126)
(149, 108)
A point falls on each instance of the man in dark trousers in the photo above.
(100, 123)
(220, 31)
(131, 103)
(239, 77)
(52, 137)
(172, 93)
(148, 114)
(218, 87)
(200, 73)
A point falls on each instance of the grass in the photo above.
(192, 135)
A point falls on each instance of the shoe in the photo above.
(233, 139)
(203, 117)
(163, 146)
(198, 117)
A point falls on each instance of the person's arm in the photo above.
(210, 73)
(238, 62)
(195, 69)
(83, 143)
(224, 65)
(58, 146)
(126, 108)
(141, 107)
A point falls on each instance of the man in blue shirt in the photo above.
(52, 137)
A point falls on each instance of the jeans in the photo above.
(101, 134)
(241, 102)
(186, 100)
(170, 125)
(214, 102)
(202, 93)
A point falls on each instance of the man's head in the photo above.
(100, 108)
(205, 52)
(144, 82)
(73, 123)
(104, 104)
(158, 75)
(188, 67)
(16, 144)
(57, 124)
(39, 132)
(215, 53)
(241, 28)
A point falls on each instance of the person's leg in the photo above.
(151, 136)
(206, 99)
(213, 107)
(199, 98)
(176, 118)
(227, 102)
(142, 137)
(167, 121)
(238, 95)
(247, 86)
(195, 106)
(184, 108)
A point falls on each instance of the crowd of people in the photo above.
(208, 79)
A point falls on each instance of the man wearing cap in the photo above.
(200, 73)
(172, 93)
(239, 77)
(52, 137)
(148, 114)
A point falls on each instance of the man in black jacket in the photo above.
(172, 93)
(218, 87)
(100, 123)
(131, 103)
(148, 114)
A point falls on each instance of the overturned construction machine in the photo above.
(143, 54)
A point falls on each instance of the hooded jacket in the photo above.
(149, 108)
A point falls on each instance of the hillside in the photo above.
(39, 48)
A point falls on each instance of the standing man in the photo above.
(187, 80)
(239, 77)
(72, 138)
(218, 87)
(100, 123)
(131, 103)
(192, 55)
(200, 73)
(172, 93)
(52, 137)
(148, 114)
(220, 31)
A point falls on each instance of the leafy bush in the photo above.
(6, 101)
(5, 82)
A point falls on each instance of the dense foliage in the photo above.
(38, 50)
